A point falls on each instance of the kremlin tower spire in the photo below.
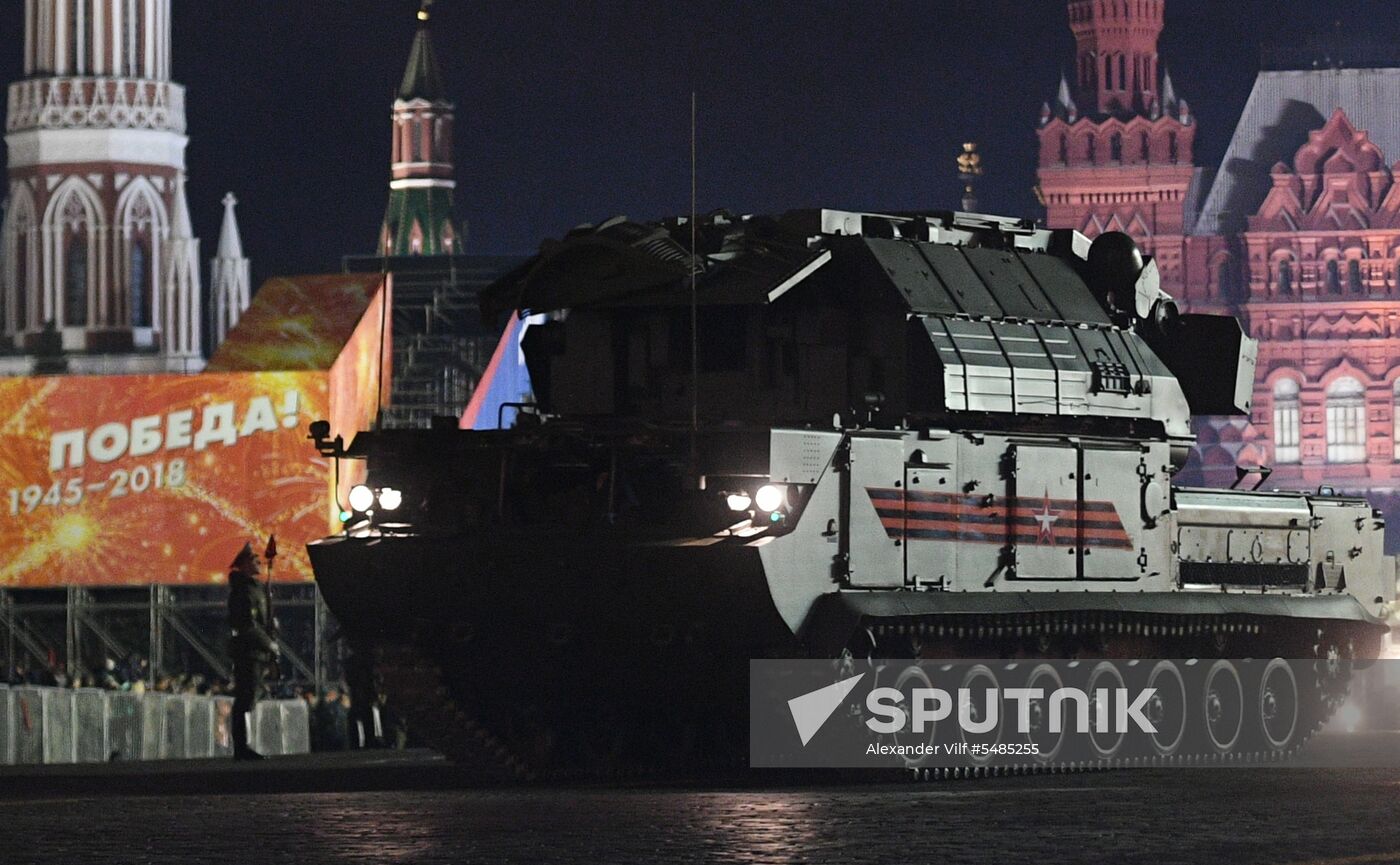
(419, 219)
(179, 312)
(229, 275)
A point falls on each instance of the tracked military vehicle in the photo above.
(841, 435)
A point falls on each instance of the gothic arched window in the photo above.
(1064, 149)
(1285, 276)
(1334, 277)
(1173, 152)
(1346, 421)
(1108, 73)
(416, 152)
(75, 279)
(1354, 281)
(22, 278)
(1122, 73)
(1093, 150)
(74, 232)
(1146, 144)
(1286, 421)
(140, 286)
(22, 258)
(139, 227)
(1115, 147)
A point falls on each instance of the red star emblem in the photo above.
(1046, 518)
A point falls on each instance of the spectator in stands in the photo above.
(107, 678)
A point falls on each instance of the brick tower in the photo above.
(419, 219)
(97, 267)
(1124, 161)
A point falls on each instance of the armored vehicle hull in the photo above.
(583, 593)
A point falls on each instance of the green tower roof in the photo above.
(422, 79)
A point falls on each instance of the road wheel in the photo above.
(1167, 708)
(1222, 706)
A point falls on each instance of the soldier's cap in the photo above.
(245, 557)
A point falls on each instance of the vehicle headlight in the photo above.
(361, 498)
(770, 497)
(390, 498)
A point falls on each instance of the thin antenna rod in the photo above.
(694, 303)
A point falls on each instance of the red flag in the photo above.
(271, 552)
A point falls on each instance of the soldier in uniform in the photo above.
(252, 645)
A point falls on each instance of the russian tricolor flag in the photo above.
(506, 381)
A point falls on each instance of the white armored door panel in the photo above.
(876, 511)
(1041, 521)
(932, 526)
(1115, 496)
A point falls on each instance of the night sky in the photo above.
(572, 112)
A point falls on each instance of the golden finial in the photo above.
(423, 10)
(969, 161)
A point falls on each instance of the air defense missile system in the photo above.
(839, 435)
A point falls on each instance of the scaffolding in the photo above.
(441, 348)
(68, 633)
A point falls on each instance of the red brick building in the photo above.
(1297, 233)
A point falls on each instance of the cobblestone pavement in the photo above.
(1186, 816)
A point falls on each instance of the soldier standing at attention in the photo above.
(251, 644)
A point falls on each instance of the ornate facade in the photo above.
(96, 258)
(1298, 234)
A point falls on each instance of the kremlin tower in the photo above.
(100, 262)
(1116, 146)
(419, 219)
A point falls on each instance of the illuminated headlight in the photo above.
(390, 498)
(739, 501)
(361, 498)
(770, 497)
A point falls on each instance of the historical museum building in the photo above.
(99, 265)
(1297, 233)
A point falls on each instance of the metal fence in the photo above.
(57, 725)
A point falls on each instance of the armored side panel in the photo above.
(876, 512)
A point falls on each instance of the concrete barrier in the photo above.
(124, 725)
(176, 724)
(56, 725)
(7, 727)
(93, 725)
(60, 726)
(28, 724)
